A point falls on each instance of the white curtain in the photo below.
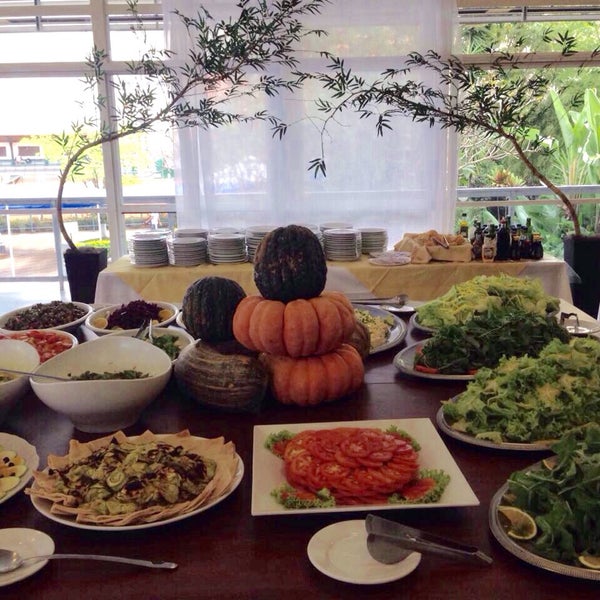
(405, 181)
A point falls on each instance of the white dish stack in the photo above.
(148, 249)
(187, 251)
(227, 248)
(374, 239)
(254, 235)
(191, 233)
(342, 244)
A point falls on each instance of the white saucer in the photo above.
(27, 542)
(340, 551)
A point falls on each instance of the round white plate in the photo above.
(583, 328)
(28, 452)
(44, 506)
(340, 551)
(71, 326)
(398, 329)
(543, 446)
(405, 359)
(107, 310)
(414, 321)
(28, 543)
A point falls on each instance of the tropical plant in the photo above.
(228, 60)
(499, 102)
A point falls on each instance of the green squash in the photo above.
(290, 264)
(208, 307)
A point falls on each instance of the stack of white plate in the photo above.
(374, 239)
(336, 225)
(148, 249)
(191, 233)
(187, 251)
(227, 248)
(342, 244)
(254, 235)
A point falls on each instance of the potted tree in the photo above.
(498, 102)
(227, 60)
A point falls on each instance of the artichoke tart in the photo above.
(118, 480)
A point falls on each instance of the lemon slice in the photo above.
(100, 322)
(590, 561)
(164, 314)
(550, 462)
(522, 525)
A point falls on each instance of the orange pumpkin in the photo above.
(311, 380)
(299, 328)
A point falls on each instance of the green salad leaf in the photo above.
(564, 499)
(528, 399)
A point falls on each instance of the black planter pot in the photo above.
(83, 267)
(582, 254)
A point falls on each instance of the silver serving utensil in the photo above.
(32, 374)
(11, 560)
(391, 540)
(397, 301)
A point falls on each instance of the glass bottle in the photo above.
(515, 246)
(537, 250)
(488, 251)
(503, 240)
(477, 241)
(463, 226)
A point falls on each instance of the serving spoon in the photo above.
(11, 560)
(31, 374)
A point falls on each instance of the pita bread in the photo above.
(66, 503)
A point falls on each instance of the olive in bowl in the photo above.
(108, 382)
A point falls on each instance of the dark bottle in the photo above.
(515, 246)
(477, 241)
(525, 241)
(537, 250)
(503, 240)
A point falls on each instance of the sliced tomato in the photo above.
(418, 488)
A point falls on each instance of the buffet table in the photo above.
(226, 553)
(122, 282)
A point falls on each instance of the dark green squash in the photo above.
(208, 307)
(290, 264)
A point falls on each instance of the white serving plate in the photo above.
(405, 359)
(28, 543)
(340, 552)
(398, 329)
(29, 454)
(44, 508)
(268, 469)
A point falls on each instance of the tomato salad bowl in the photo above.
(47, 342)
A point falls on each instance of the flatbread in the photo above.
(65, 502)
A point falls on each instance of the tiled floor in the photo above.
(15, 295)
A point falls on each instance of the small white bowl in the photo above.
(48, 342)
(183, 337)
(21, 356)
(66, 326)
(97, 320)
(109, 404)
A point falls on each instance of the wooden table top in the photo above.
(225, 552)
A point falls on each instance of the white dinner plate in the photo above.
(268, 470)
(405, 359)
(29, 454)
(28, 543)
(542, 446)
(398, 329)
(44, 506)
(340, 551)
(414, 322)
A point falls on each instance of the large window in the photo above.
(241, 176)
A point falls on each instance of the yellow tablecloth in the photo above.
(122, 282)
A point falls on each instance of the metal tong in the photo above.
(398, 301)
(388, 541)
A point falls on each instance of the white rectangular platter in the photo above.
(268, 472)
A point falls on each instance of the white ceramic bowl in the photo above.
(110, 404)
(97, 320)
(70, 326)
(48, 342)
(15, 354)
(183, 337)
